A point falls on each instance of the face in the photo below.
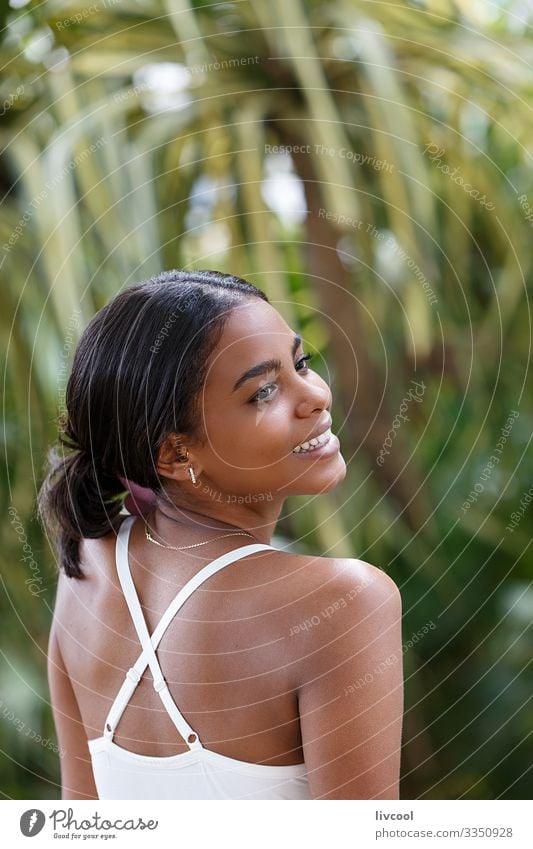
(254, 415)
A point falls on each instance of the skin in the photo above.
(265, 690)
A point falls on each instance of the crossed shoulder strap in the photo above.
(150, 643)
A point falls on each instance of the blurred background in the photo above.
(370, 166)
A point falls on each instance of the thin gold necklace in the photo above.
(150, 538)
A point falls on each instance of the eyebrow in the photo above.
(266, 366)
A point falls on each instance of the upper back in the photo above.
(257, 658)
(230, 656)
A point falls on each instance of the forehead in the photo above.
(254, 331)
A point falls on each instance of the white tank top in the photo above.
(198, 773)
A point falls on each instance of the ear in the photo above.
(172, 461)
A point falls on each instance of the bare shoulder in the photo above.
(91, 550)
(343, 646)
(93, 555)
(337, 580)
(332, 605)
(348, 680)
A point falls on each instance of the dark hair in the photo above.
(136, 377)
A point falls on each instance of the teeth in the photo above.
(310, 444)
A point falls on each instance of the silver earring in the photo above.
(190, 472)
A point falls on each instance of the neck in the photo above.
(221, 513)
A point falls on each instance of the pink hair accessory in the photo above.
(140, 500)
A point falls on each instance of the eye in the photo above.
(272, 386)
(260, 397)
(302, 360)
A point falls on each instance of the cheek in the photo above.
(258, 435)
(269, 434)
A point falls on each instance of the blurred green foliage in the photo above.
(139, 136)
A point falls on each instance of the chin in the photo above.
(334, 482)
(327, 481)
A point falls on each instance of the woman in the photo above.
(188, 658)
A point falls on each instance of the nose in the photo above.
(315, 397)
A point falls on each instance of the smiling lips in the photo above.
(312, 444)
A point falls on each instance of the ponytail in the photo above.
(77, 499)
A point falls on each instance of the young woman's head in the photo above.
(187, 364)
